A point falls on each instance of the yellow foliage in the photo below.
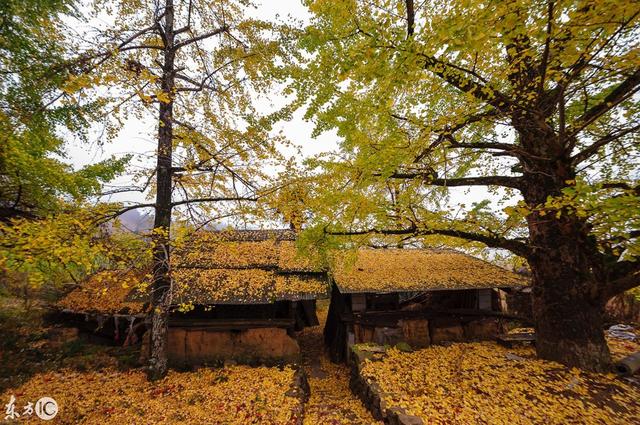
(233, 250)
(106, 292)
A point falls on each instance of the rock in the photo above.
(416, 332)
(511, 356)
(409, 420)
(483, 329)
(397, 416)
(446, 330)
(404, 347)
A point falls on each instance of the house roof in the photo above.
(404, 270)
(107, 292)
(247, 249)
(228, 267)
(244, 267)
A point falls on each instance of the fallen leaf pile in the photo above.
(233, 395)
(485, 383)
(391, 270)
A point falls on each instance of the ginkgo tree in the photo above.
(197, 67)
(535, 101)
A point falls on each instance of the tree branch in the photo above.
(624, 90)
(480, 91)
(504, 181)
(220, 199)
(201, 37)
(629, 280)
(516, 247)
(545, 55)
(593, 148)
(411, 16)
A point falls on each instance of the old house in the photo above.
(417, 296)
(236, 294)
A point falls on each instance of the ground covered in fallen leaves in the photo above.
(485, 383)
(99, 384)
(331, 401)
(230, 395)
(479, 383)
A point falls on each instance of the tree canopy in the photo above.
(37, 117)
(535, 101)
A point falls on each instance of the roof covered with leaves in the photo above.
(230, 267)
(108, 292)
(399, 270)
(244, 267)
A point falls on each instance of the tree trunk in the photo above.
(567, 306)
(569, 327)
(160, 295)
(567, 301)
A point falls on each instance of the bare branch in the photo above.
(603, 141)
(514, 246)
(201, 37)
(220, 199)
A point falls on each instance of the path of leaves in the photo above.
(331, 401)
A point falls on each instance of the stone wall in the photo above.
(420, 333)
(371, 395)
(301, 391)
(189, 347)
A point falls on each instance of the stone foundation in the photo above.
(188, 347)
(420, 333)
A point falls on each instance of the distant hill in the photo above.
(136, 221)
